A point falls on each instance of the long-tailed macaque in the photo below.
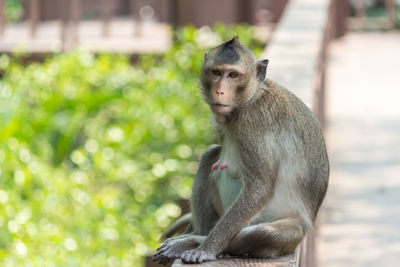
(259, 192)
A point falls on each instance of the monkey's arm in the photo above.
(257, 191)
(206, 209)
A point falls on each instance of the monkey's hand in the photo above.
(175, 246)
(197, 256)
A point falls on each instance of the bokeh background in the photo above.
(102, 123)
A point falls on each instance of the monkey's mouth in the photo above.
(220, 108)
(220, 105)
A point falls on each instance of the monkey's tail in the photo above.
(183, 224)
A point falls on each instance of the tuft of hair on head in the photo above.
(234, 40)
(228, 53)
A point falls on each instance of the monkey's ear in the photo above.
(262, 69)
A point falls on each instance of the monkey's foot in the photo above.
(197, 256)
(221, 166)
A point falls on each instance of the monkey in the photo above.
(258, 193)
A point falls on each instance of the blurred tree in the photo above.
(13, 10)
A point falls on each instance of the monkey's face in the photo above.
(230, 77)
(226, 85)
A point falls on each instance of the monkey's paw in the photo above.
(173, 248)
(197, 256)
(165, 254)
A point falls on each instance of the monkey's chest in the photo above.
(227, 174)
(229, 187)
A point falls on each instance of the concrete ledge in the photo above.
(284, 261)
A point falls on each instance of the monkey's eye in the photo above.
(233, 74)
(216, 72)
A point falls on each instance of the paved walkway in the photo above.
(361, 217)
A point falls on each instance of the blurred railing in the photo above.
(71, 10)
(121, 25)
(62, 23)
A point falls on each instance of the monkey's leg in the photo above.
(267, 239)
(205, 199)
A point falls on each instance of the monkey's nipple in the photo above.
(221, 166)
(215, 166)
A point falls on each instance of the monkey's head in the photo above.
(230, 77)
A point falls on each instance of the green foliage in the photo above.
(397, 17)
(378, 10)
(13, 10)
(93, 151)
